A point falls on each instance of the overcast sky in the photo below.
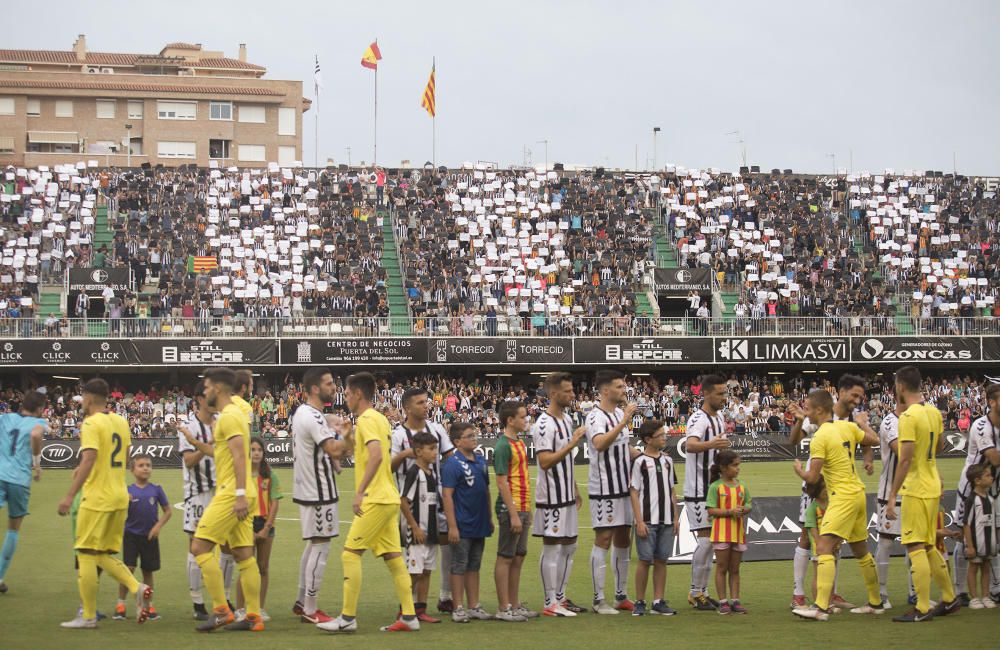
(900, 84)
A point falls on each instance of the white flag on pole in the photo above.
(318, 76)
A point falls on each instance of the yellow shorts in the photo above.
(377, 529)
(219, 523)
(100, 530)
(919, 520)
(847, 518)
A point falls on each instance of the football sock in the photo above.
(401, 580)
(194, 580)
(598, 569)
(826, 570)
(870, 576)
(882, 553)
(701, 560)
(303, 563)
(315, 569)
(800, 567)
(549, 563)
(211, 575)
(87, 581)
(7, 553)
(621, 557)
(909, 576)
(995, 575)
(565, 569)
(352, 582)
(961, 568)
(444, 592)
(921, 571)
(117, 570)
(250, 581)
(939, 571)
(228, 569)
(836, 569)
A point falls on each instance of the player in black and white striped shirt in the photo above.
(195, 446)
(607, 487)
(888, 529)
(419, 519)
(416, 404)
(706, 434)
(316, 447)
(980, 533)
(557, 499)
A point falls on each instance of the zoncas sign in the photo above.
(925, 348)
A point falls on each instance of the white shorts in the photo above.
(610, 513)
(442, 519)
(420, 558)
(804, 502)
(697, 515)
(888, 526)
(319, 521)
(556, 522)
(194, 508)
(958, 514)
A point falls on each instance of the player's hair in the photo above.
(724, 458)
(411, 392)
(509, 410)
(313, 377)
(649, 428)
(33, 400)
(975, 471)
(97, 387)
(199, 388)
(264, 470)
(363, 382)
(243, 380)
(992, 392)
(604, 377)
(554, 379)
(813, 490)
(137, 457)
(223, 376)
(424, 439)
(821, 399)
(708, 382)
(909, 378)
(459, 428)
(847, 382)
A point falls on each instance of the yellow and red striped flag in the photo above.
(428, 101)
(371, 57)
(201, 263)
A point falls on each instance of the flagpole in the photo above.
(316, 117)
(434, 116)
(375, 154)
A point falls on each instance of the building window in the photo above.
(135, 146)
(220, 149)
(286, 121)
(175, 149)
(34, 107)
(6, 105)
(135, 109)
(286, 155)
(6, 144)
(176, 110)
(252, 152)
(252, 113)
(64, 108)
(220, 111)
(106, 109)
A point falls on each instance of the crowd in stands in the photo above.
(758, 404)
(861, 245)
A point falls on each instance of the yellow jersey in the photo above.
(231, 423)
(105, 488)
(922, 425)
(244, 406)
(372, 426)
(835, 442)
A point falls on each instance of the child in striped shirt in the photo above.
(728, 503)
(980, 535)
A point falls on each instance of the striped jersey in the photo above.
(983, 435)
(654, 479)
(888, 432)
(510, 459)
(703, 427)
(608, 476)
(420, 488)
(402, 437)
(200, 477)
(980, 517)
(315, 483)
(730, 530)
(555, 486)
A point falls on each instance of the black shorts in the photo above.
(137, 551)
(258, 525)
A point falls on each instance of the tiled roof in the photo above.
(68, 57)
(180, 46)
(140, 87)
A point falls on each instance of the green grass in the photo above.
(43, 592)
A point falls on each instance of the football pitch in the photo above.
(43, 592)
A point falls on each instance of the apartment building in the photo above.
(183, 105)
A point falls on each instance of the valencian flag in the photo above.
(428, 101)
(201, 263)
(371, 57)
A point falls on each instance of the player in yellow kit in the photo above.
(100, 526)
(228, 519)
(918, 482)
(376, 511)
(831, 455)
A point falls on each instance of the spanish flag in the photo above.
(371, 57)
(201, 263)
(428, 101)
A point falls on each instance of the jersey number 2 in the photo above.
(117, 439)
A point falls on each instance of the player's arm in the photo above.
(337, 449)
(235, 444)
(871, 435)
(992, 455)
(549, 459)
(398, 458)
(87, 459)
(640, 525)
(201, 449)
(796, 435)
(272, 511)
(812, 473)
(165, 514)
(902, 469)
(37, 435)
(371, 467)
(970, 548)
(603, 441)
(449, 514)
(418, 533)
(501, 465)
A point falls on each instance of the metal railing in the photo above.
(479, 325)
